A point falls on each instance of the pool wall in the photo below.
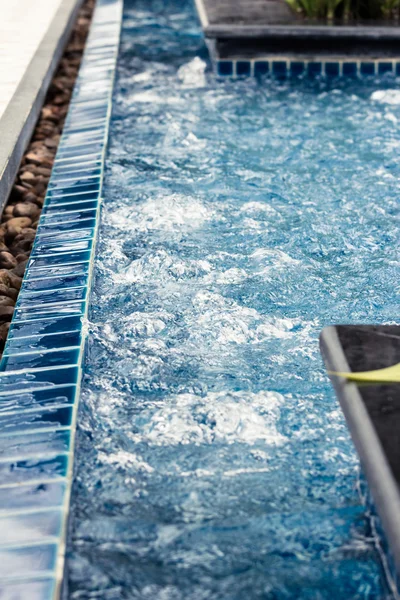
(41, 367)
(298, 67)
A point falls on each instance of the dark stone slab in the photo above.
(372, 412)
(250, 28)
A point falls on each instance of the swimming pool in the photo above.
(239, 218)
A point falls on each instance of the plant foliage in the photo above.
(345, 11)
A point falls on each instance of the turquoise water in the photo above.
(239, 218)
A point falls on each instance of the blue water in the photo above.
(213, 461)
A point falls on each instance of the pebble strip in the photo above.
(41, 367)
(21, 214)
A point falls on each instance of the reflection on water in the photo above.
(213, 461)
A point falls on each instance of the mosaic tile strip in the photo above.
(40, 371)
(281, 67)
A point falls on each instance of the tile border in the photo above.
(41, 368)
(282, 67)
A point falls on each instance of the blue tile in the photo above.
(38, 398)
(314, 69)
(42, 343)
(61, 200)
(40, 360)
(225, 68)
(50, 237)
(261, 67)
(43, 249)
(35, 589)
(33, 469)
(76, 214)
(297, 68)
(350, 69)
(50, 310)
(367, 68)
(70, 170)
(30, 560)
(30, 528)
(398, 68)
(48, 326)
(51, 296)
(30, 420)
(50, 272)
(243, 68)
(68, 226)
(69, 208)
(82, 150)
(279, 68)
(59, 259)
(61, 182)
(37, 495)
(54, 283)
(332, 69)
(37, 380)
(70, 189)
(385, 67)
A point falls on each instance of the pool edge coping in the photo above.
(92, 74)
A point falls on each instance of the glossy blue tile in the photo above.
(385, 67)
(71, 199)
(69, 207)
(367, 68)
(61, 182)
(76, 214)
(54, 283)
(30, 560)
(225, 68)
(79, 166)
(33, 469)
(44, 247)
(350, 69)
(51, 237)
(279, 68)
(70, 189)
(332, 69)
(297, 68)
(38, 398)
(314, 69)
(50, 310)
(29, 528)
(51, 297)
(261, 67)
(48, 326)
(243, 68)
(41, 359)
(36, 589)
(82, 150)
(50, 272)
(68, 226)
(37, 380)
(36, 419)
(36, 495)
(59, 259)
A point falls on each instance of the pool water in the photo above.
(239, 218)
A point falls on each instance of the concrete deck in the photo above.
(32, 38)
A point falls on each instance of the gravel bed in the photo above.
(21, 214)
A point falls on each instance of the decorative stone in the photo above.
(6, 301)
(6, 313)
(26, 209)
(7, 260)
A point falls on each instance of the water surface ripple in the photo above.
(213, 462)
